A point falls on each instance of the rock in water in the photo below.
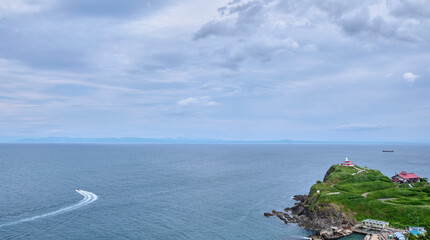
(266, 214)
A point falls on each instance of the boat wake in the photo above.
(89, 197)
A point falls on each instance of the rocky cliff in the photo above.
(311, 214)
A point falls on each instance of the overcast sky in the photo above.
(338, 70)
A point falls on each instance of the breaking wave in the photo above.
(89, 197)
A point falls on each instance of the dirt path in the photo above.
(333, 193)
(385, 199)
(359, 171)
(381, 199)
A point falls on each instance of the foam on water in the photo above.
(89, 197)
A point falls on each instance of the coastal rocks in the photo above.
(311, 214)
(266, 214)
(327, 219)
(318, 216)
(300, 198)
(330, 220)
(283, 216)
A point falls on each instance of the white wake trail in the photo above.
(89, 197)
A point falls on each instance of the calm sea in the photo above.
(171, 191)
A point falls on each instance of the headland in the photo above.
(358, 199)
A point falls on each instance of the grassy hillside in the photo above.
(367, 193)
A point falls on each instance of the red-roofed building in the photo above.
(404, 177)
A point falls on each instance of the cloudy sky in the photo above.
(247, 70)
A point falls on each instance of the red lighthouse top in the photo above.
(347, 163)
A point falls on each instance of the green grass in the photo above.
(362, 187)
(411, 201)
(410, 206)
(398, 192)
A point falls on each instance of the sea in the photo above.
(172, 191)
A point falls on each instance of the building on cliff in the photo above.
(375, 224)
(404, 177)
(416, 230)
(347, 163)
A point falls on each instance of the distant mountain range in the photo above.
(147, 140)
(181, 141)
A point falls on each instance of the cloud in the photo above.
(111, 8)
(74, 35)
(12, 7)
(262, 49)
(46, 43)
(369, 19)
(237, 18)
(359, 127)
(410, 77)
(200, 101)
(109, 67)
(215, 28)
(417, 9)
(361, 24)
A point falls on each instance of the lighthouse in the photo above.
(347, 163)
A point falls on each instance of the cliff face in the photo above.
(318, 215)
(311, 214)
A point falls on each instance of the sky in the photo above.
(329, 70)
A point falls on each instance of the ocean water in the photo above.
(150, 191)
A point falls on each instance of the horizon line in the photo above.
(182, 140)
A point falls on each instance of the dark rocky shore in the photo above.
(308, 213)
(316, 218)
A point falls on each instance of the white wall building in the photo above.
(375, 224)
